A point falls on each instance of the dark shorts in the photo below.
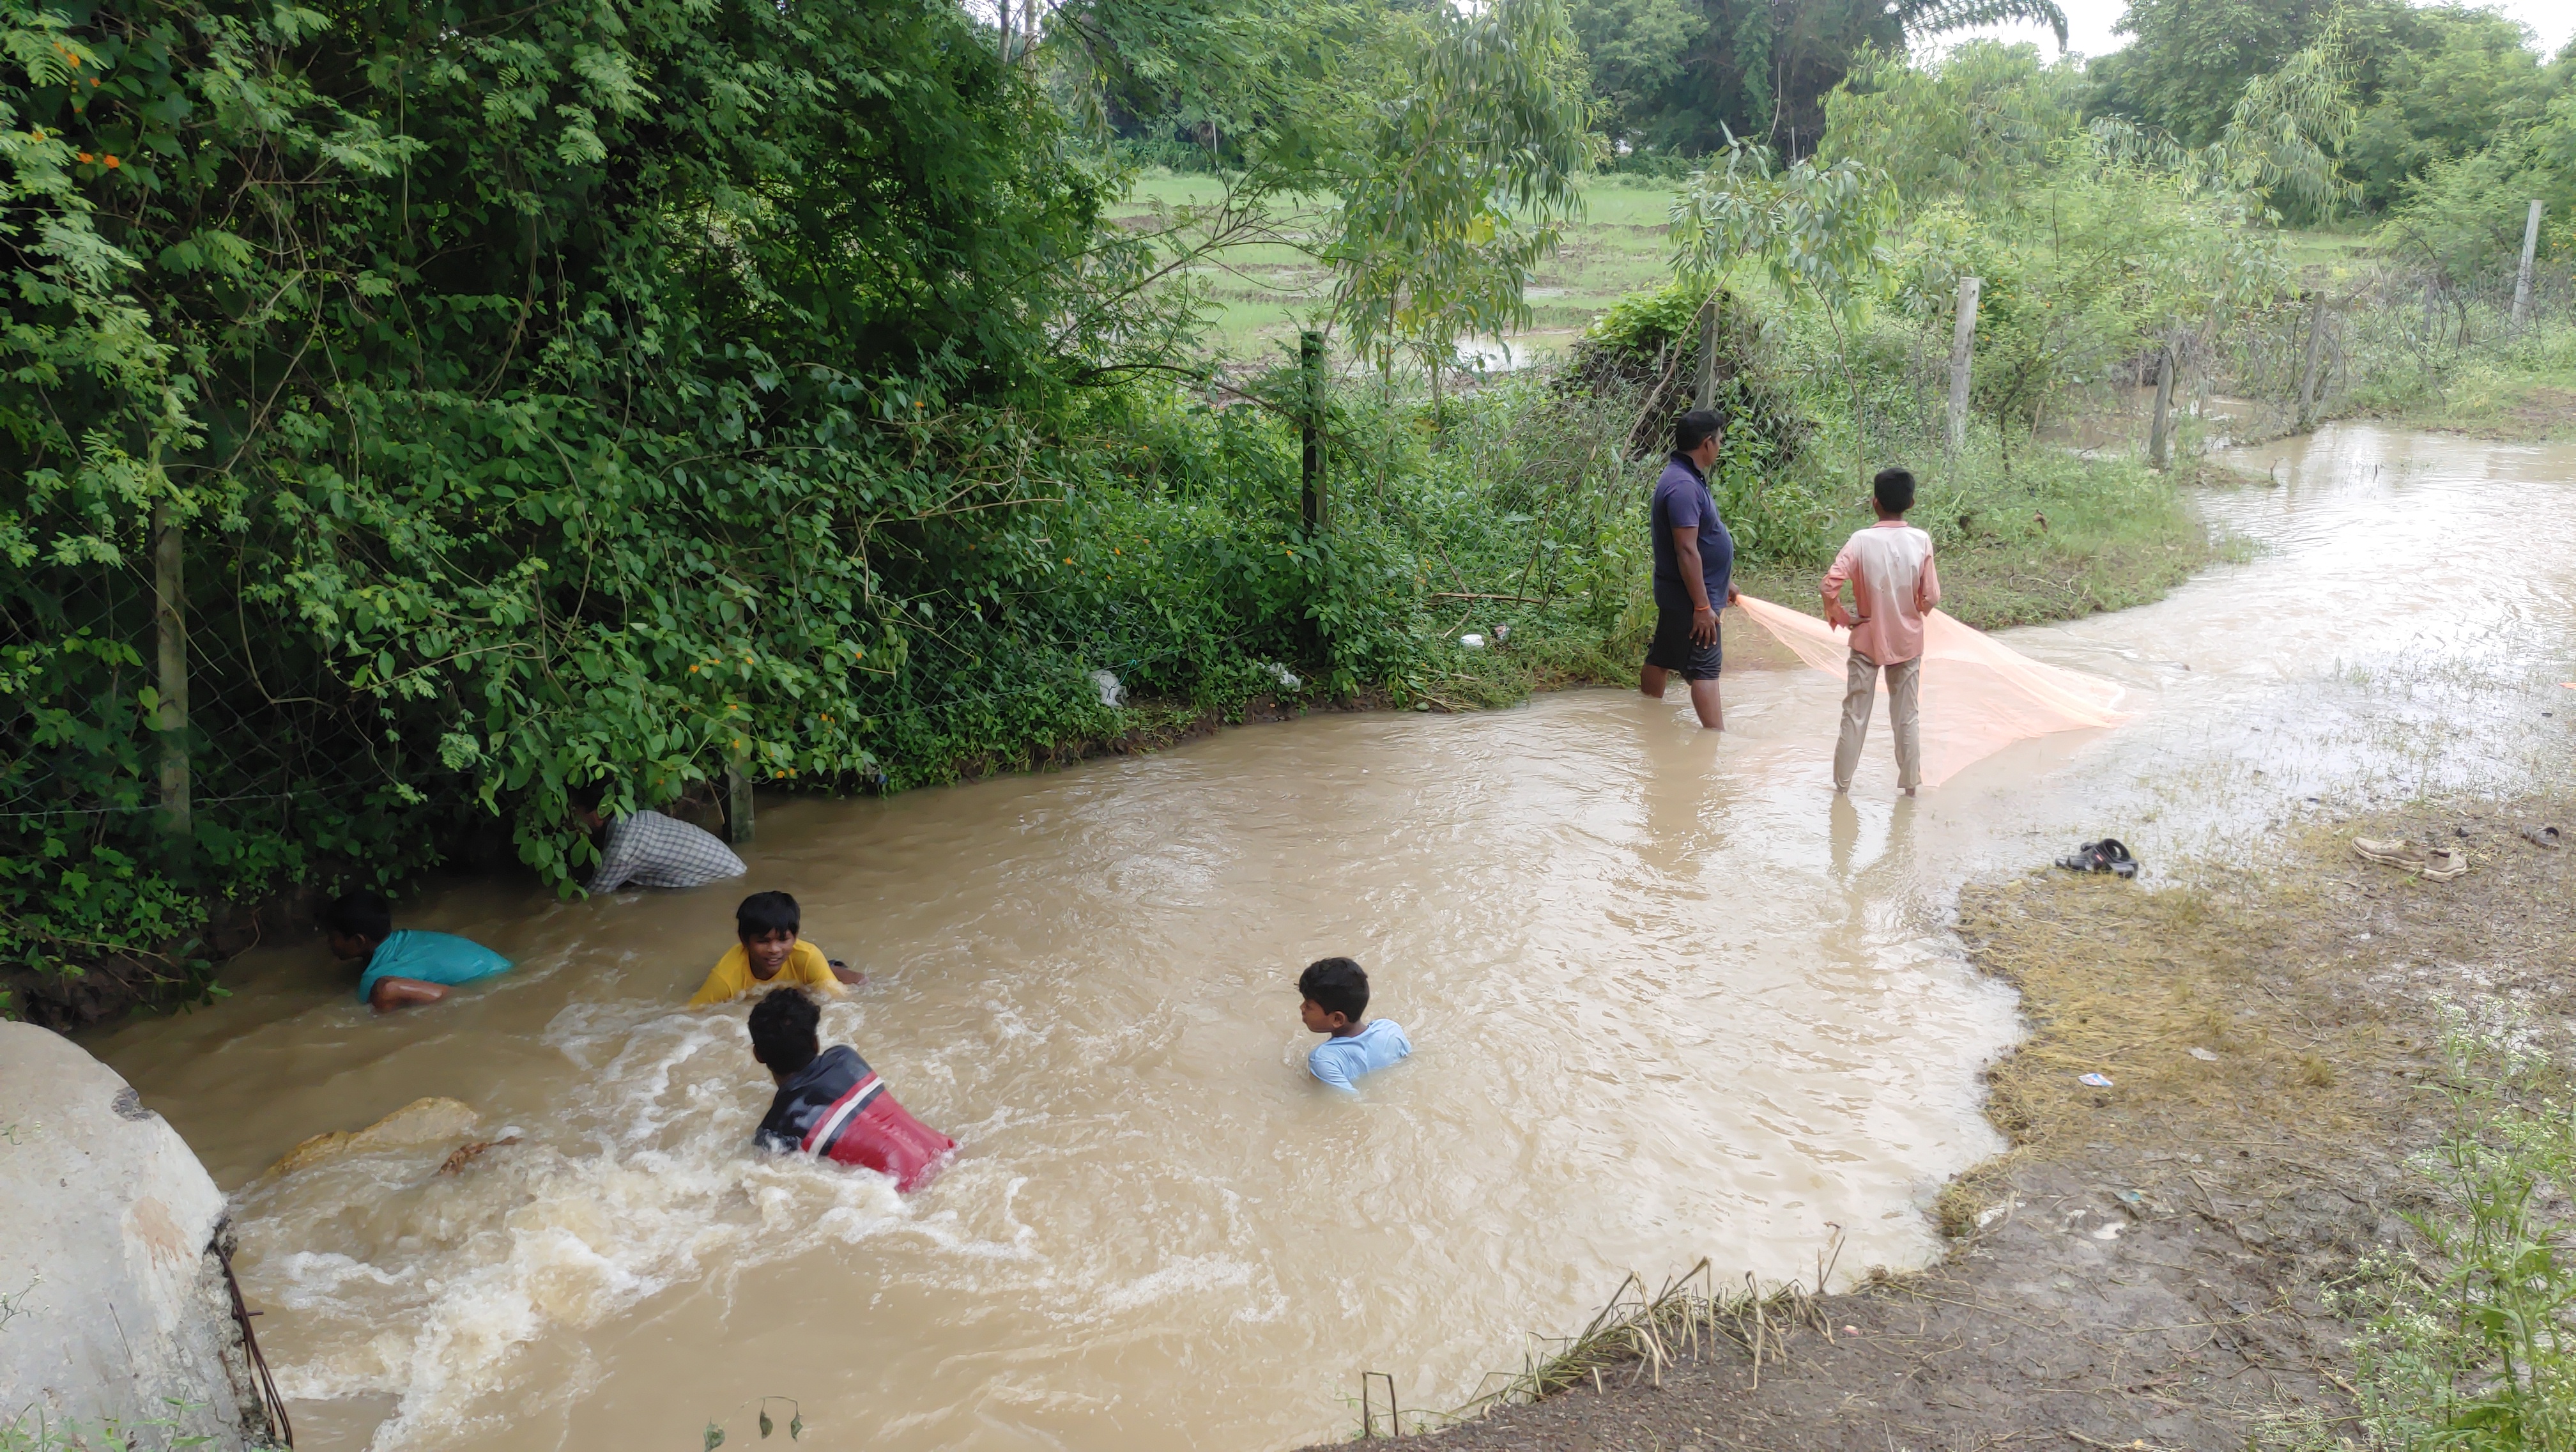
(1673, 649)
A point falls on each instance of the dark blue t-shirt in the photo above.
(1681, 501)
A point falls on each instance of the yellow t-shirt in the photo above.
(806, 967)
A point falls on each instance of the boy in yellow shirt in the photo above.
(771, 955)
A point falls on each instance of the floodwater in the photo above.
(1670, 999)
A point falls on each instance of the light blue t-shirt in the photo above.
(1379, 1042)
(431, 958)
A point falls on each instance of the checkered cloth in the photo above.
(652, 850)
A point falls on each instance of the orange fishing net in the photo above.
(1978, 695)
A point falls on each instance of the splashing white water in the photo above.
(422, 1285)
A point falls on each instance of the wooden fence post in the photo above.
(737, 802)
(1963, 338)
(1310, 429)
(2308, 369)
(2522, 276)
(1705, 395)
(170, 637)
(2156, 435)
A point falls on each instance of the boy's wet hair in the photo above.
(767, 912)
(1694, 429)
(1893, 489)
(783, 1027)
(1336, 985)
(360, 914)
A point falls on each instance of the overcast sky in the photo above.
(2089, 22)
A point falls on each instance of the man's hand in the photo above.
(1704, 626)
(1835, 616)
(1732, 593)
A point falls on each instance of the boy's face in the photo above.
(349, 947)
(768, 951)
(1318, 1021)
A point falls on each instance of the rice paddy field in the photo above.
(1261, 294)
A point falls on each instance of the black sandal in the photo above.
(2107, 855)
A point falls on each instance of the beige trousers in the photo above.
(1860, 684)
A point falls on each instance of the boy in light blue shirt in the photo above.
(1336, 991)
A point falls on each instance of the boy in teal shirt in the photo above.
(401, 969)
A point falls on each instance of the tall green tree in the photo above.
(2460, 79)
(1457, 187)
(1762, 69)
(545, 393)
(2430, 83)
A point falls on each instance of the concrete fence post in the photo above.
(170, 639)
(1963, 338)
(2522, 275)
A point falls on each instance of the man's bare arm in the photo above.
(393, 993)
(1686, 555)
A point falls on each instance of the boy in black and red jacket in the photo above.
(830, 1103)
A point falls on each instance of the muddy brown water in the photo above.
(1670, 999)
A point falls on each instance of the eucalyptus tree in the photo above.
(1457, 184)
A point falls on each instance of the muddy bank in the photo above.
(2143, 1268)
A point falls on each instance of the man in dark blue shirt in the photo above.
(1694, 569)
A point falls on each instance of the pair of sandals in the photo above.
(2107, 855)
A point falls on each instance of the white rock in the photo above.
(1112, 694)
(1472, 642)
(113, 1257)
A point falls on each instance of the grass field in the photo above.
(1263, 293)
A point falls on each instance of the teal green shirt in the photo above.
(431, 958)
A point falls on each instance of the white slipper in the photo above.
(2433, 864)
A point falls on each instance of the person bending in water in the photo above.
(649, 849)
(401, 969)
(830, 1104)
(1894, 585)
(770, 952)
(1694, 569)
(1336, 991)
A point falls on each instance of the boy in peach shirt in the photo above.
(1894, 585)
